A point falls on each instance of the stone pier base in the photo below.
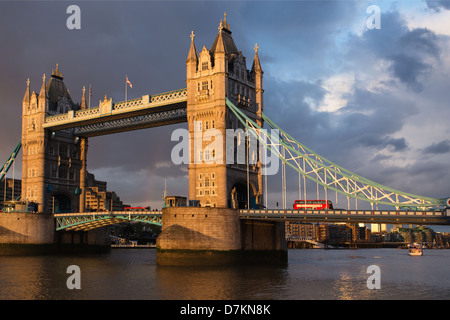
(24, 233)
(216, 236)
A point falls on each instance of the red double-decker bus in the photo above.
(313, 205)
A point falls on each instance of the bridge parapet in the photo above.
(352, 216)
(144, 102)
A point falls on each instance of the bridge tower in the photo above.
(53, 163)
(218, 172)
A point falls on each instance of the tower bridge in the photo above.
(221, 94)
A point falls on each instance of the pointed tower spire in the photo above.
(27, 95)
(256, 67)
(192, 56)
(43, 92)
(83, 99)
(56, 73)
(220, 46)
(225, 24)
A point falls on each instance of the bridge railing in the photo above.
(351, 216)
(282, 212)
(146, 101)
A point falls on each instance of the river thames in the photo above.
(132, 274)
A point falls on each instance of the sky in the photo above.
(373, 100)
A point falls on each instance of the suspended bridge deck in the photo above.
(91, 220)
(351, 216)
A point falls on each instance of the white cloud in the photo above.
(337, 87)
(436, 21)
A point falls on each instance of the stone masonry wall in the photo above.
(200, 228)
(26, 228)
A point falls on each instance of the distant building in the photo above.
(13, 189)
(359, 232)
(421, 234)
(327, 233)
(175, 201)
(378, 227)
(98, 198)
(296, 230)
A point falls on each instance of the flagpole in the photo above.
(90, 93)
(126, 84)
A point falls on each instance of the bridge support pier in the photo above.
(24, 233)
(217, 236)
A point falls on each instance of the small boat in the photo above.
(415, 249)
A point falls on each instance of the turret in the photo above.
(26, 98)
(43, 97)
(83, 99)
(220, 56)
(257, 75)
(192, 59)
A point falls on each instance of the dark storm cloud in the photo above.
(439, 148)
(409, 63)
(432, 177)
(411, 53)
(408, 69)
(437, 5)
(385, 142)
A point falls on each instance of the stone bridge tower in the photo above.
(217, 169)
(53, 163)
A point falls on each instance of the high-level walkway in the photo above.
(107, 118)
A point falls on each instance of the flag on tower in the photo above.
(128, 81)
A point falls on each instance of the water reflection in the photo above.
(30, 278)
(310, 274)
(221, 283)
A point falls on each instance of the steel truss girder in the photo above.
(10, 161)
(136, 122)
(93, 220)
(326, 173)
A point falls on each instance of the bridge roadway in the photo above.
(91, 220)
(351, 216)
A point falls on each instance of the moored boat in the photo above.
(415, 249)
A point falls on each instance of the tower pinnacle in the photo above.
(43, 92)
(26, 97)
(192, 55)
(225, 24)
(256, 67)
(83, 99)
